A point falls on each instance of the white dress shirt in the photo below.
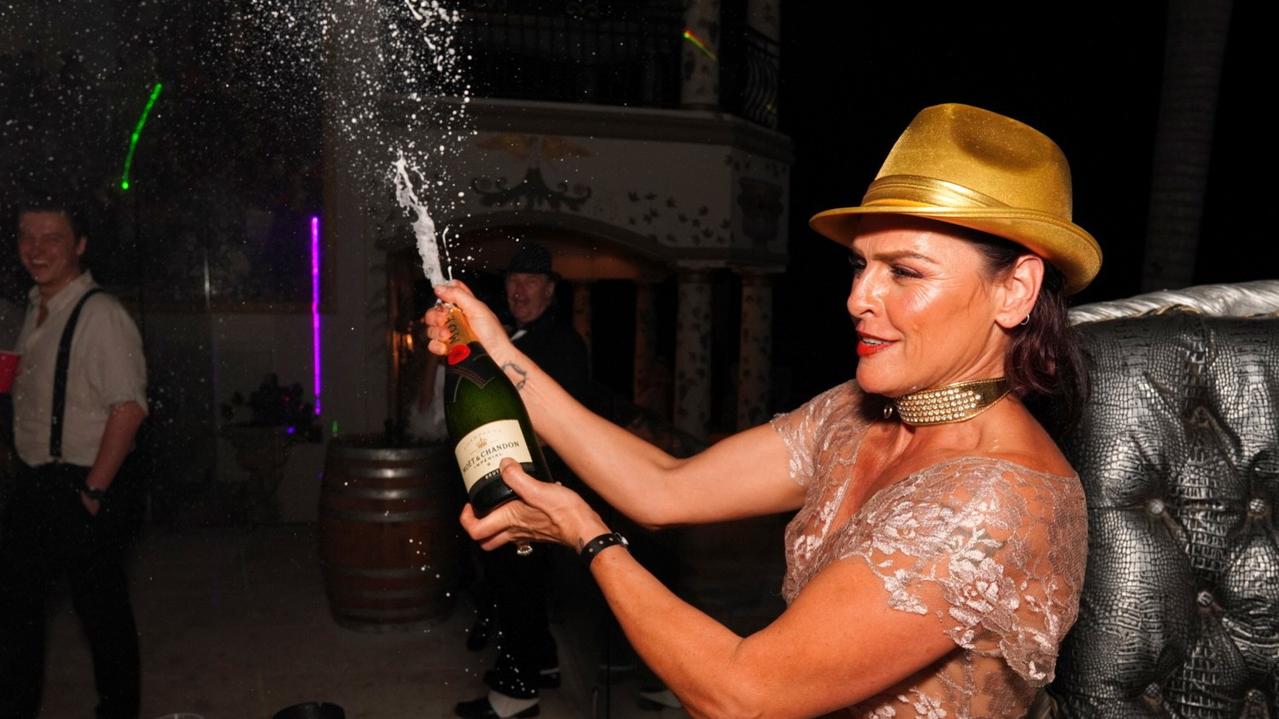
(106, 369)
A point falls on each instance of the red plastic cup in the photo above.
(8, 370)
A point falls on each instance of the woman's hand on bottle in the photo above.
(545, 512)
(488, 330)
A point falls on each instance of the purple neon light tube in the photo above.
(315, 309)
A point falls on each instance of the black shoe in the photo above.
(478, 637)
(546, 679)
(481, 709)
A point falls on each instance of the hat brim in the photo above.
(1069, 247)
(555, 276)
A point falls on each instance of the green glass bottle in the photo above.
(486, 420)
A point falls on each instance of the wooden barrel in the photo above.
(390, 545)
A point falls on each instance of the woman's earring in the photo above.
(1025, 321)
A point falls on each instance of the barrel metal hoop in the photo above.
(330, 512)
(384, 454)
(364, 472)
(366, 493)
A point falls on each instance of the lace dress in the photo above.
(994, 549)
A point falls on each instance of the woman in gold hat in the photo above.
(935, 561)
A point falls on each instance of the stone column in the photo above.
(693, 353)
(646, 384)
(355, 359)
(754, 374)
(700, 57)
(582, 311)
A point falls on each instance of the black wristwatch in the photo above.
(93, 493)
(600, 543)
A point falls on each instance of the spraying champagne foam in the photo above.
(428, 245)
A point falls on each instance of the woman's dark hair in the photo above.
(1045, 362)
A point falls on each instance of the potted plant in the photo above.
(277, 417)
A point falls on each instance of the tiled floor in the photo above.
(234, 624)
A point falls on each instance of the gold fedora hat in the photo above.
(971, 167)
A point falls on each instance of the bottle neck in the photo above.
(460, 332)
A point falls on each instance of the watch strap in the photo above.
(600, 543)
(93, 493)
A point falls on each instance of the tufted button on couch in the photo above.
(1178, 452)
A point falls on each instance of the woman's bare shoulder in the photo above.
(1014, 436)
(991, 467)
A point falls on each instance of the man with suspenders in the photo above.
(79, 398)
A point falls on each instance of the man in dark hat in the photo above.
(527, 658)
(539, 331)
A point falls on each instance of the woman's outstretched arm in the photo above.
(742, 476)
(837, 644)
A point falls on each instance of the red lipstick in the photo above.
(875, 345)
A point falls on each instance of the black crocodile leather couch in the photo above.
(1179, 456)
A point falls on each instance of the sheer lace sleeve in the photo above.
(994, 549)
(818, 426)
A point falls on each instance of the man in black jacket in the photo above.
(527, 659)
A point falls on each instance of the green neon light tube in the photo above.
(137, 133)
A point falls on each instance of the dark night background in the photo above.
(239, 139)
(1089, 80)
(852, 77)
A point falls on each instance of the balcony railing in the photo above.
(749, 76)
(610, 52)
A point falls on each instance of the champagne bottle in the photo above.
(486, 420)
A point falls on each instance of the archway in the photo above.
(614, 284)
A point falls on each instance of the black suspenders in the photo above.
(60, 377)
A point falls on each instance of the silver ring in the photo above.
(523, 549)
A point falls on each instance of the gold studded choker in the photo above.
(953, 403)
